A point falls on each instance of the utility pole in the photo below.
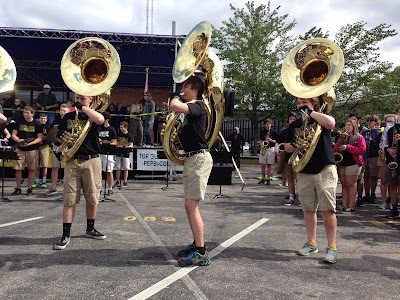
(149, 10)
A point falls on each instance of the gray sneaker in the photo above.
(95, 234)
(307, 249)
(50, 192)
(62, 244)
(330, 256)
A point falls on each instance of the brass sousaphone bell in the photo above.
(194, 55)
(89, 67)
(310, 70)
(8, 72)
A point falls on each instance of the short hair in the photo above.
(42, 115)
(106, 115)
(267, 120)
(354, 114)
(124, 124)
(390, 116)
(197, 84)
(30, 109)
(374, 118)
(64, 105)
(397, 108)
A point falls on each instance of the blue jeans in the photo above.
(148, 127)
(50, 118)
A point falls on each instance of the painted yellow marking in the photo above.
(149, 218)
(130, 218)
(168, 219)
(377, 223)
(393, 222)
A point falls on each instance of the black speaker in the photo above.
(229, 103)
(220, 175)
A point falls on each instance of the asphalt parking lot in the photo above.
(251, 235)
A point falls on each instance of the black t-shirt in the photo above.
(2, 127)
(90, 144)
(237, 142)
(55, 123)
(323, 153)
(28, 130)
(193, 130)
(107, 134)
(123, 137)
(272, 134)
(45, 129)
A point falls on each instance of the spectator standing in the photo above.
(148, 119)
(47, 101)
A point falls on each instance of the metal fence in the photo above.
(246, 129)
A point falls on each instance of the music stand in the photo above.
(107, 149)
(161, 155)
(6, 152)
(221, 156)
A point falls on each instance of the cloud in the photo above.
(130, 16)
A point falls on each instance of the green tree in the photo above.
(253, 44)
(364, 77)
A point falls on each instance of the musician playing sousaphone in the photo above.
(307, 75)
(89, 67)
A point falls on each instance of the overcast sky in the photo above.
(129, 16)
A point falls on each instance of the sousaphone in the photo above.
(89, 67)
(8, 72)
(195, 56)
(310, 70)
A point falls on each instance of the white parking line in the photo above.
(155, 288)
(20, 221)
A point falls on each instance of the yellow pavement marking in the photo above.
(130, 218)
(168, 219)
(149, 218)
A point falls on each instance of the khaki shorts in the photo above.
(268, 158)
(55, 163)
(318, 190)
(28, 158)
(371, 167)
(349, 170)
(44, 156)
(381, 162)
(85, 174)
(196, 171)
(288, 171)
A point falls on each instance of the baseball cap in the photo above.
(46, 86)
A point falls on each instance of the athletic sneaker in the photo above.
(331, 255)
(360, 202)
(50, 192)
(125, 185)
(392, 214)
(17, 191)
(384, 206)
(29, 192)
(268, 182)
(35, 185)
(189, 249)
(195, 259)
(261, 181)
(44, 185)
(289, 202)
(62, 244)
(110, 192)
(94, 234)
(307, 249)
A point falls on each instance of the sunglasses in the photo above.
(372, 121)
